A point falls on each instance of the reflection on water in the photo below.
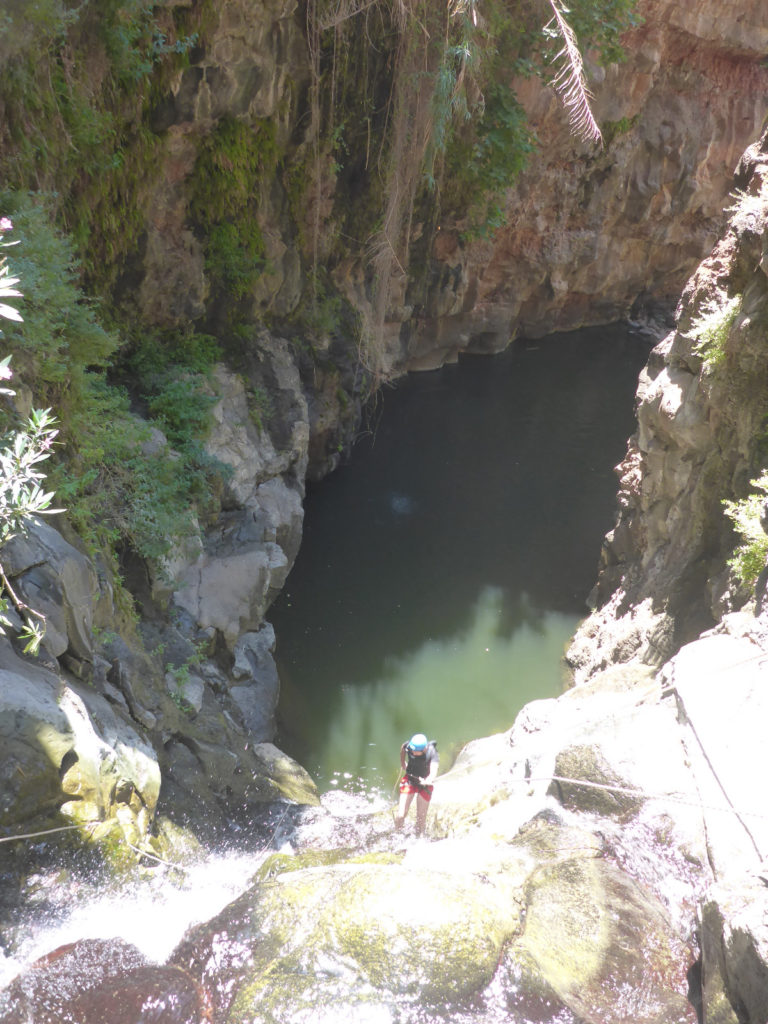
(455, 688)
(445, 567)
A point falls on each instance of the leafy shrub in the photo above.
(601, 23)
(21, 452)
(752, 554)
(117, 487)
(712, 328)
(61, 337)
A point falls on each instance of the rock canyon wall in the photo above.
(592, 234)
(700, 441)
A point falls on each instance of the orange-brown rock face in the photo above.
(593, 232)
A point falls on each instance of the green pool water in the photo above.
(446, 566)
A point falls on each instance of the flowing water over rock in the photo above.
(64, 904)
(445, 568)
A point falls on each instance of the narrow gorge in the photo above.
(233, 224)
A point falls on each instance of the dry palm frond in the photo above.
(570, 81)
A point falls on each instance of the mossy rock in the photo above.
(291, 781)
(546, 838)
(604, 946)
(526, 995)
(375, 933)
(174, 843)
(109, 839)
(326, 995)
(586, 770)
(279, 863)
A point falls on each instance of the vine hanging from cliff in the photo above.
(450, 126)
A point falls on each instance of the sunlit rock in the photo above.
(68, 749)
(603, 944)
(358, 922)
(734, 940)
(720, 688)
(292, 781)
(701, 409)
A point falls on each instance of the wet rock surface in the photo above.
(529, 900)
(95, 981)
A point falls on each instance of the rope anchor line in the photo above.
(46, 832)
(644, 794)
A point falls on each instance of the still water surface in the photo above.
(445, 567)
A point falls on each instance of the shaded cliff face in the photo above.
(592, 233)
(702, 405)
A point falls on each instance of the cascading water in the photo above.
(63, 905)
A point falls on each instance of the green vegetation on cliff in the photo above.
(447, 137)
(233, 162)
(410, 117)
(751, 555)
(117, 487)
(76, 88)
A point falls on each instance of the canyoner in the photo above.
(420, 762)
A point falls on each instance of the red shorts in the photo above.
(406, 786)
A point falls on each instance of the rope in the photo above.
(670, 797)
(666, 691)
(723, 790)
(136, 849)
(670, 691)
(394, 795)
(152, 856)
(46, 832)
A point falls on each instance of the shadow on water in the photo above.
(445, 567)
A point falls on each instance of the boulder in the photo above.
(257, 687)
(355, 945)
(240, 435)
(604, 945)
(231, 585)
(292, 781)
(55, 579)
(545, 923)
(96, 980)
(67, 749)
(719, 687)
(734, 949)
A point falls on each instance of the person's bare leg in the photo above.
(422, 806)
(402, 809)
